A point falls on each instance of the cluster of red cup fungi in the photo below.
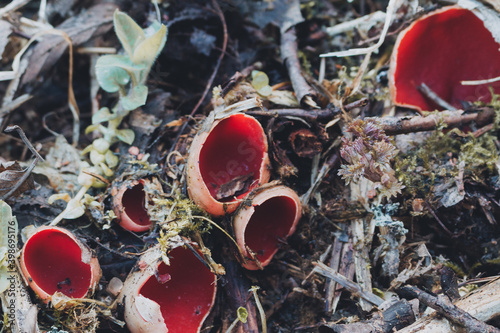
(228, 170)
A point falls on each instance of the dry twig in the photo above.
(445, 307)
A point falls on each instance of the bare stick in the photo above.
(321, 114)
(305, 94)
(445, 307)
(429, 93)
(482, 303)
(25, 139)
(403, 125)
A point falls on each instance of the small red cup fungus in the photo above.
(269, 215)
(54, 260)
(174, 299)
(129, 206)
(442, 49)
(226, 162)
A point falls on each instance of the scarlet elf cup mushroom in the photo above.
(129, 206)
(54, 260)
(269, 215)
(173, 298)
(226, 162)
(442, 49)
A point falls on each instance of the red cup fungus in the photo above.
(269, 215)
(174, 299)
(226, 162)
(129, 206)
(54, 260)
(442, 49)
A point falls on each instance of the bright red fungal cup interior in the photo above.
(234, 148)
(441, 50)
(134, 203)
(186, 294)
(270, 222)
(53, 260)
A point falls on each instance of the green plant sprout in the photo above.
(126, 75)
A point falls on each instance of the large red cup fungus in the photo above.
(54, 260)
(129, 206)
(226, 162)
(269, 215)
(174, 299)
(442, 49)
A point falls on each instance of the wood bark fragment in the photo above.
(237, 295)
(345, 268)
(363, 230)
(349, 285)
(398, 315)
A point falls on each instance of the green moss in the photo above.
(437, 160)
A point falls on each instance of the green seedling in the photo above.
(126, 75)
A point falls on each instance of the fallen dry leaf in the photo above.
(10, 174)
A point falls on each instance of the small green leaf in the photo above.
(107, 171)
(136, 97)
(60, 196)
(260, 81)
(74, 209)
(147, 51)
(91, 128)
(102, 115)
(129, 33)
(111, 78)
(111, 159)
(242, 314)
(265, 91)
(126, 135)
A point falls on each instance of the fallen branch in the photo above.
(305, 94)
(403, 125)
(482, 304)
(321, 114)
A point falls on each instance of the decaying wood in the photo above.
(449, 283)
(349, 285)
(340, 261)
(397, 316)
(363, 230)
(237, 295)
(482, 304)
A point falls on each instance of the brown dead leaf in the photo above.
(96, 21)
(305, 143)
(235, 187)
(10, 174)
